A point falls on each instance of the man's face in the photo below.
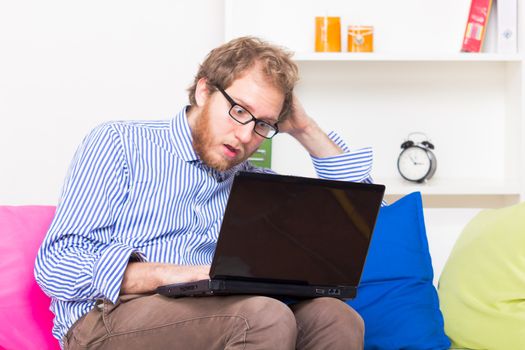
(220, 141)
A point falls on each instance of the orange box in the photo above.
(360, 39)
(327, 34)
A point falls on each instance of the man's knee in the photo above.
(349, 326)
(271, 320)
(355, 321)
(328, 321)
(342, 311)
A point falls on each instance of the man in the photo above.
(142, 205)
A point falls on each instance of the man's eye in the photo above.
(239, 110)
(263, 125)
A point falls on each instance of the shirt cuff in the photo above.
(352, 166)
(109, 269)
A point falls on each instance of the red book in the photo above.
(478, 18)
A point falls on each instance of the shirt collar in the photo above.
(182, 138)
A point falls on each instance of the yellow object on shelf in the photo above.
(360, 39)
(327, 34)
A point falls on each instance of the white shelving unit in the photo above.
(470, 105)
(374, 57)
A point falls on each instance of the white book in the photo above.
(507, 14)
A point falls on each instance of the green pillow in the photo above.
(482, 287)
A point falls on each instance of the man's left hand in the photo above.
(305, 130)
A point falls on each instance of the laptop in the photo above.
(289, 236)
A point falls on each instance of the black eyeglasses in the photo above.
(242, 116)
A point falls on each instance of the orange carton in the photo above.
(327, 34)
(360, 38)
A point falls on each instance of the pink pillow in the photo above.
(25, 319)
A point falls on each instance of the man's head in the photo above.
(245, 72)
(228, 62)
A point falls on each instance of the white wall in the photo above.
(68, 65)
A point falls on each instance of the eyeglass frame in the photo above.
(254, 120)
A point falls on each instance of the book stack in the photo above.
(505, 13)
(263, 156)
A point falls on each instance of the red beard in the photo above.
(203, 144)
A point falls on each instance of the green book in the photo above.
(263, 156)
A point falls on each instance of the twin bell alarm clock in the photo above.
(417, 162)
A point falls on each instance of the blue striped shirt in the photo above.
(139, 189)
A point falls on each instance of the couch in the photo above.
(25, 319)
(400, 305)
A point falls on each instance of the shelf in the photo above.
(470, 104)
(384, 57)
(437, 186)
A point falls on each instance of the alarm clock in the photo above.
(417, 162)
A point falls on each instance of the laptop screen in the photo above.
(294, 229)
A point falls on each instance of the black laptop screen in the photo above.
(296, 229)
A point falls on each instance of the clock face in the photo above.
(414, 163)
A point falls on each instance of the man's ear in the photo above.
(202, 93)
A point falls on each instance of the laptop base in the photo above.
(213, 287)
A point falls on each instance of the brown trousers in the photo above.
(221, 322)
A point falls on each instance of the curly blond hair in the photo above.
(226, 63)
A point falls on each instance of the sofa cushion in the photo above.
(25, 319)
(396, 297)
(482, 286)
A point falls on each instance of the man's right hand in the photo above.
(145, 277)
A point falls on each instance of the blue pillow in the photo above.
(396, 297)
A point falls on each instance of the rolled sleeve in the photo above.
(81, 257)
(109, 269)
(354, 165)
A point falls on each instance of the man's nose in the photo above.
(244, 132)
